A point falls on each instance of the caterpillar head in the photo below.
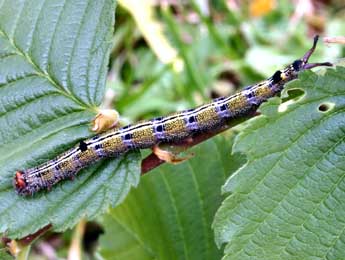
(302, 64)
(19, 182)
(291, 71)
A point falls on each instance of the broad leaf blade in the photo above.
(126, 245)
(53, 63)
(169, 215)
(4, 255)
(287, 202)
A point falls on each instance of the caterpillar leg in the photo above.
(170, 156)
(105, 120)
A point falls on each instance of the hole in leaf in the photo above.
(290, 97)
(295, 94)
(325, 107)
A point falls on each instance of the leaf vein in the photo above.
(75, 41)
(275, 164)
(179, 225)
(201, 204)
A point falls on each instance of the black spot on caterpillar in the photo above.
(82, 146)
(277, 76)
(297, 65)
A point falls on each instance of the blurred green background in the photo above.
(220, 46)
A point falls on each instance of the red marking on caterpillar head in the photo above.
(19, 181)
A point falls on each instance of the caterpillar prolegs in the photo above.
(169, 129)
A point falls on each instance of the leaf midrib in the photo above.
(46, 75)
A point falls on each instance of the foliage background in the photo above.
(171, 56)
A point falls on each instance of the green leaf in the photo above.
(126, 245)
(169, 215)
(287, 202)
(5, 255)
(53, 65)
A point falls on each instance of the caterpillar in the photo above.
(172, 128)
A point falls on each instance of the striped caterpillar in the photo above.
(169, 129)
